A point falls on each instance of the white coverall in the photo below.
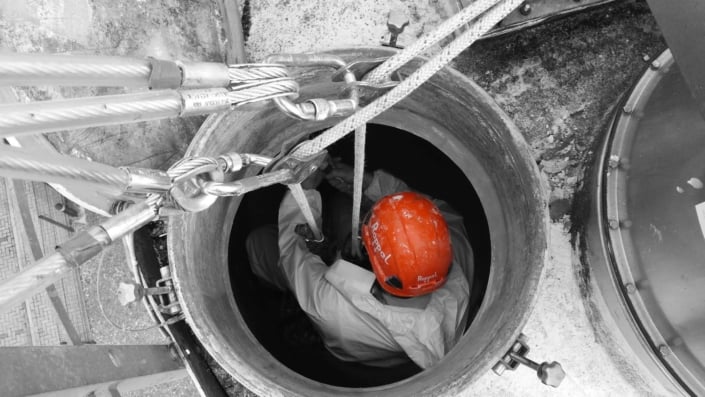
(355, 326)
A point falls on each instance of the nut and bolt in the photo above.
(631, 288)
(614, 161)
(129, 292)
(627, 109)
(655, 65)
(664, 350)
(132, 292)
(613, 224)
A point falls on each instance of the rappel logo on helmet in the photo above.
(427, 279)
(407, 240)
(376, 246)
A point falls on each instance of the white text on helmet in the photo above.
(427, 279)
(376, 246)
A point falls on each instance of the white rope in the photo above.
(380, 74)
(404, 88)
(359, 175)
(298, 192)
(359, 120)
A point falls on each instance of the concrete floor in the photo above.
(557, 82)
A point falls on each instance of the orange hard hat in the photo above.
(408, 243)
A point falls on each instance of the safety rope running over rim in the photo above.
(359, 120)
(481, 26)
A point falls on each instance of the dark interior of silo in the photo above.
(275, 318)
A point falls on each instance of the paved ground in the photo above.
(557, 82)
(35, 321)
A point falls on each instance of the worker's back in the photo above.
(356, 326)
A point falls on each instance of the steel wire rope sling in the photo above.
(192, 184)
(304, 159)
(176, 89)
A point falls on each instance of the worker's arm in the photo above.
(303, 270)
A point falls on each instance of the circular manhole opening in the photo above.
(275, 317)
(447, 139)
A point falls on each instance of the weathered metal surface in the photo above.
(646, 241)
(30, 370)
(534, 12)
(234, 36)
(682, 25)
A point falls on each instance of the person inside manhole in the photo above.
(404, 297)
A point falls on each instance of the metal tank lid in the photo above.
(651, 199)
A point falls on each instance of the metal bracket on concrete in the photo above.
(550, 374)
(534, 12)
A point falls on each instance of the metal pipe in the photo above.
(31, 69)
(22, 285)
(48, 116)
(94, 70)
(524, 360)
(75, 252)
(40, 117)
(204, 101)
(132, 218)
(204, 74)
(19, 163)
(146, 180)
